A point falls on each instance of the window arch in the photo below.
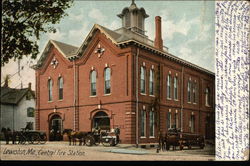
(151, 81)
(50, 84)
(169, 86)
(107, 86)
(143, 80)
(60, 88)
(93, 83)
(207, 96)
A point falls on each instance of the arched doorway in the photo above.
(101, 120)
(55, 128)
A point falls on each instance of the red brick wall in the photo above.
(120, 105)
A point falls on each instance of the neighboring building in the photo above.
(120, 78)
(17, 107)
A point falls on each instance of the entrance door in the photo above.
(101, 120)
(56, 127)
(207, 132)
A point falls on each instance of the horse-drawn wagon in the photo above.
(26, 135)
(174, 137)
(95, 137)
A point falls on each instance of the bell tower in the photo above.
(133, 18)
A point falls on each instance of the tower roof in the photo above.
(133, 8)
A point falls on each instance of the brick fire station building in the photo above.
(120, 78)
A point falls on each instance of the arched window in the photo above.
(169, 117)
(93, 83)
(107, 87)
(151, 123)
(60, 88)
(207, 96)
(143, 123)
(143, 78)
(176, 120)
(169, 87)
(189, 91)
(192, 123)
(151, 82)
(50, 84)
(194, 92)
(176, 88)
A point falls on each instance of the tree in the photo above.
(22, 23)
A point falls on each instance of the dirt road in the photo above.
(62, 151)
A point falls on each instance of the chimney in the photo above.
(29, 86)
(158, 40)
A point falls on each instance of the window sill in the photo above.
(151, 136)
(143, 137)
(50, 101)
(152, 95)
(107, 94)
(169, 99)
(195, 103)
(189, 102)
(144, 94)
(60, 100)
(92, 96)
(176, 100)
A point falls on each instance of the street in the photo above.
(125, 152)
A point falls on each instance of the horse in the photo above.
(74, 135)
(8, 134)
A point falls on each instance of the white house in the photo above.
(17, 107)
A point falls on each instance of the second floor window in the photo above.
(207, 97)
(50, 90)
(189, 91)
(60, 88)
(194, 92)
(151, 82)
(93, 83)
(143, 78)
(175, 88)
(169, 87)
(107, 87)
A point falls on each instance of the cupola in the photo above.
(133, 18)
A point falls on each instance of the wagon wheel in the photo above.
(112, 142)
(29, 138)
(89, 140)
(106, 142)
(43, 139)
(189, 146)
(35, 138)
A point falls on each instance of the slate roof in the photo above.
(67, 49)
(13, 96)
(119, 37)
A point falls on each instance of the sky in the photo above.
(187, 30)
